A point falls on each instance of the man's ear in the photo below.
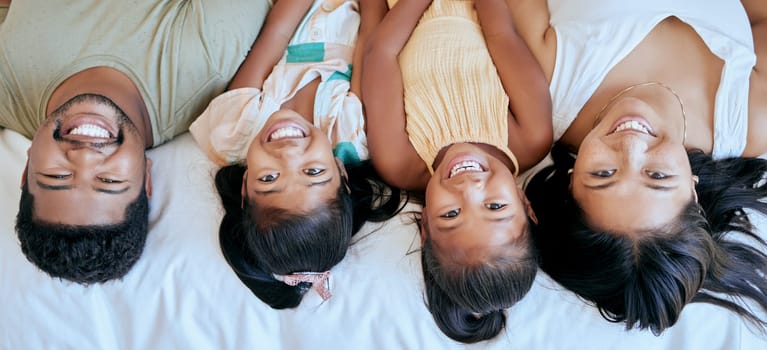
(24, 174)
(148, 178)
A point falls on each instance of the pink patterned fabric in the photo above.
(319, 281)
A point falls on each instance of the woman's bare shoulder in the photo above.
(757, 115)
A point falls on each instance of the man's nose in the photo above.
(84, 155)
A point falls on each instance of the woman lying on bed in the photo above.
(290, 131)
(664, 105)
(457, 105)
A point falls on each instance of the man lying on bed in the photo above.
(94, 84)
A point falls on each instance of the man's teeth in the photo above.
(632, 125)
(90, 130)
(468, 165)
(288, 132)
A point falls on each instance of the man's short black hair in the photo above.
(83, 253)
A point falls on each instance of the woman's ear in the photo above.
(244, 188)
(528, 206)
(695, 180)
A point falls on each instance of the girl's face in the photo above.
(291, 165)
(632, 173)
(473, 204)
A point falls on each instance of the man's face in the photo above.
(86, 164)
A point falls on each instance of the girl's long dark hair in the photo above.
(468, 302)
(702, 256)
(261, 242)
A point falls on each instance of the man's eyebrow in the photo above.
(69, 187)
(265, 193)
(54, 187)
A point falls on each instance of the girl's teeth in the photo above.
(468, 165)
(90, 130)
(288, 132)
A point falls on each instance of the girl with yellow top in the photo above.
(457, 106)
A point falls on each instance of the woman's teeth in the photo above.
(288, 132)
(90, 130)
(468, 165)
(632, 125)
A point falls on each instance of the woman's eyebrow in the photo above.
(660, 188)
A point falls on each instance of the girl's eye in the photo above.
(657, 175)
(314, 171)
(604, 173)
(57, 176)
(451, 214)
(495, 206)
(109, 181)
(269, 177)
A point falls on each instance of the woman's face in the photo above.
(291, 165)
(473, 204)
(632, 173)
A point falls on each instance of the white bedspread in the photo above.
(182, 295)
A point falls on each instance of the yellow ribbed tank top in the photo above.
(451, 87)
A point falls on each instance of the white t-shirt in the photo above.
(594, 35)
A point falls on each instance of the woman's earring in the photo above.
(570, 171)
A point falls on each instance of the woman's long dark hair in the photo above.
(260, 242)
(702, 256)
(468, 301)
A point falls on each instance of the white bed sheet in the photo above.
(181, 294)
